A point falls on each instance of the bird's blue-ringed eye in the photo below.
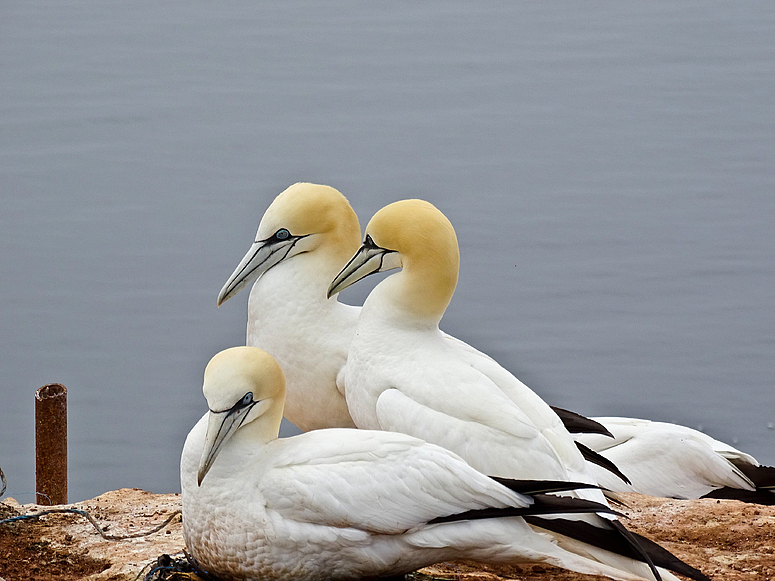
(282, 234)
(247, 399)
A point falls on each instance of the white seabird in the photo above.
(347, 504)
(305, 236)
(664, 459)
(401, 368)
(403, 375)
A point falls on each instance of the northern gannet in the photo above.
(305, 236)
(663, 459)
(348, 504)
(403, 375)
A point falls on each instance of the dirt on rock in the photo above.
(66, 546)
(726, 539)
(24, 554)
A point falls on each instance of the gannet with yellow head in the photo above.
(342, 503)
(403, 375)
(401, 366)
(305, 236)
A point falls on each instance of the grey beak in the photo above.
(369, 259)
(262, 256)
(220, 427)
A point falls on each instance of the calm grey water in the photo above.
(609, 167)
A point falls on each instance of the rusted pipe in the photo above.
(51, 444)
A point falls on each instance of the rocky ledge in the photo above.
(727, 539)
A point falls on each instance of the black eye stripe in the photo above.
(245, 401)
(281, 235)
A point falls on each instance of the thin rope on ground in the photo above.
(93, 522)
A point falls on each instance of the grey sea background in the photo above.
(609, 168)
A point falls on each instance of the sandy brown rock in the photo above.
(728, 540)
(121, 512)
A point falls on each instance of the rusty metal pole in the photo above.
(51, 444)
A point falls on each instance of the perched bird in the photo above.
(403, 375)
(663, 459)
(305, 236)
(350, 504)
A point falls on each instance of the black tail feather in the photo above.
(761, 476)
(591, 456)
(613, 540)
(551, 504)
(540, 486)
(764, 496)
(578, 424)
(637, 547)
(544, 504)
(667, 560)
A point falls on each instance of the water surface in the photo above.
(608, 167)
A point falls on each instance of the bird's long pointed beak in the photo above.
(220, 427)
(250, 268)
(367, 260)
(262, 256)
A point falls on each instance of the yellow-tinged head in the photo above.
(303, 218)
(415, 236)
(306, 209)
(420, 233)
(245, 390)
